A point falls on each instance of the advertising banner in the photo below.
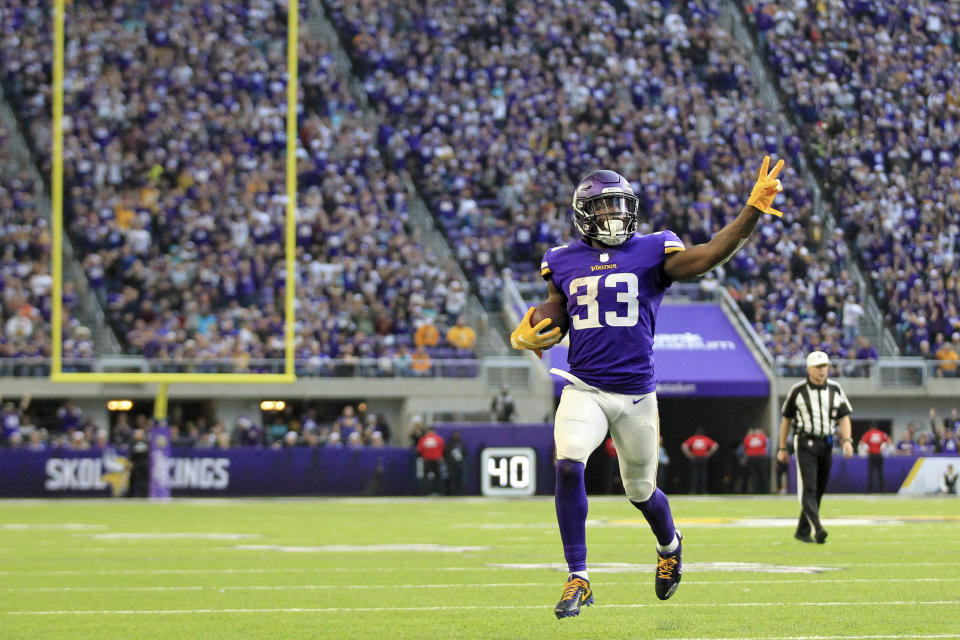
(697, 352)
(252, 471)
(903, 474)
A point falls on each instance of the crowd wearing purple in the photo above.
(876, 87)
(69, 428)
(174, 139)
(498, 108)
(25, 279)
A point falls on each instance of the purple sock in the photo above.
(571, 501)
(657, 512)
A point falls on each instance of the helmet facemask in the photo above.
(609, 218)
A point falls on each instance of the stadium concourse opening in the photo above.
(724, 420)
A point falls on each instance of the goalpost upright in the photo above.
(56, 320)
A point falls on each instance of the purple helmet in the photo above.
(605, 208)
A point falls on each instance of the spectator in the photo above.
(247, 432)
(952, 423)
(417, 429)
(503, 407)
(347, 422)
(461, 336)
(923, 447)
(431, 449)
(427, 334)
(757, 452)
(948, 442)
(420, 362)
(69, 416)
(948, 358)
(876, 442)
(139, 465)
(454, 455)
(12, 416)
(905, 444)
(852, 313)
(948, 481)
(698, 449)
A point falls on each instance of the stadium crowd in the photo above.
(497, 109)
(68, 427)
(174, 143)
(25, 278)
(877, 88)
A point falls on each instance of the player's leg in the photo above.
(579, 428)
(807, 483)
(824, 462)
(636, 435)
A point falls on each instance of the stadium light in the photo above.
(273, 405)
(119, 405)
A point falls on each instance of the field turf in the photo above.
(484, 568)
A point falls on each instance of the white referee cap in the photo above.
(817, 359)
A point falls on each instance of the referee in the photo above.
(816, 406)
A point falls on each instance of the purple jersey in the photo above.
(612, 296)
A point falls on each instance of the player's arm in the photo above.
(701, 258)
(527, 336)
(782, 446)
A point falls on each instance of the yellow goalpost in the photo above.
(56, 321)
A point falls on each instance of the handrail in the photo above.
(383, 367)
(734, 310)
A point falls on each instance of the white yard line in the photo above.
(91, 572)
(475, 585)
(712, 605)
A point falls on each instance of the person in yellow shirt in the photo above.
(426, 335)
(948, 357)
(460, 335)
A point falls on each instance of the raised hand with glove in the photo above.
(527, 336)
(699, 259)
(766, 188)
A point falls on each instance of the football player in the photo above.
(611, 282)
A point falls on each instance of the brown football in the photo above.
(557, 314)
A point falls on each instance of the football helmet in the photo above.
(605, 207)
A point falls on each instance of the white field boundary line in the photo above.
(475, 585)
(702, 605)
(92, 572)
(930, 636)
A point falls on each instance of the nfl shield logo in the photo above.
(604, 257)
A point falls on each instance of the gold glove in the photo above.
(767, 188)
(529, 337)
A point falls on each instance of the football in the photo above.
(557, 314)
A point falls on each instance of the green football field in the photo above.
(471, 568)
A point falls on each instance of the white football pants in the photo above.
(586, 413)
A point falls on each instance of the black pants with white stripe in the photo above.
(814, 456)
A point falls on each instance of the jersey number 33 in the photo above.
(585, 291)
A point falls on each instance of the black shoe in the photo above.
(821, 536)
(803, 537)
(669, 570)
(576, 592)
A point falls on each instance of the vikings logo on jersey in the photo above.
(612, 297)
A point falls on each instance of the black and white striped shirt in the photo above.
(816, 409)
